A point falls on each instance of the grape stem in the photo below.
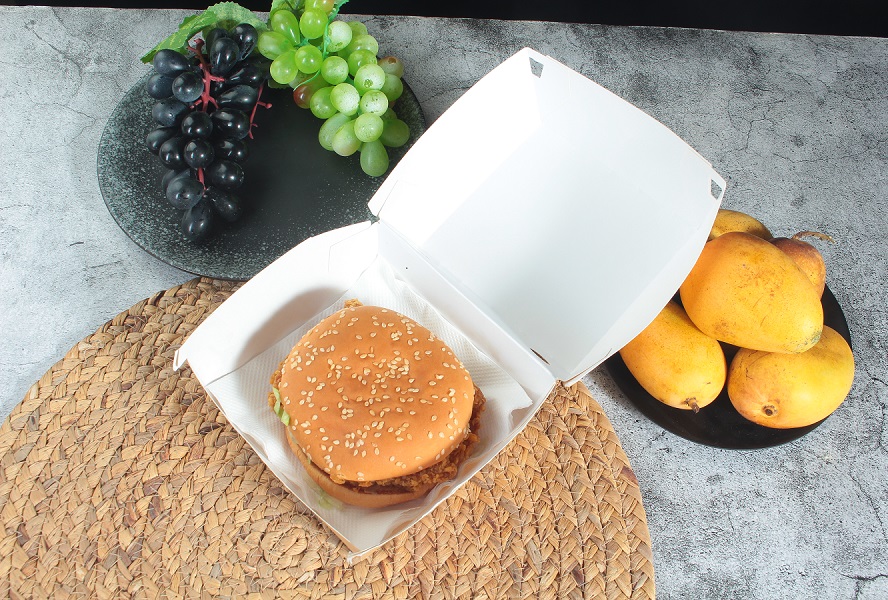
(205, 97)
(259, 103)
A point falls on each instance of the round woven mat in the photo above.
(119, 479)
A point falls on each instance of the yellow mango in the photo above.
(732, 220)
(749, 293)
(806, 256)
(792, 390)
(675, 362)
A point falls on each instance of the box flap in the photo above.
(568, 216)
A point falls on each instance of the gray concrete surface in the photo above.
(797, 125)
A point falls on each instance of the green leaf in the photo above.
(231, 14)
(178, 41)
(336, 7)
(291, 5)
(224, 14)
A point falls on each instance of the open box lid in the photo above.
(564, 215)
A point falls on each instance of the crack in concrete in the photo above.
(109, 264)
(871, 503)
(827, 159)
(65, 55)
(879, 443)
(447, 92)
(859, 580)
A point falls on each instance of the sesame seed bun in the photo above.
(371, 396)
(353, 495)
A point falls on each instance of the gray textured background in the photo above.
(797, 125)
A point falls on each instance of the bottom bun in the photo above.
(348, 495)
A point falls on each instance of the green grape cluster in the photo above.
(334, 71)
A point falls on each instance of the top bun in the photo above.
(373, 395)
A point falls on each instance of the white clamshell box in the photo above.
(537, 226)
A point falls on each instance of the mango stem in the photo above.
(816, 234)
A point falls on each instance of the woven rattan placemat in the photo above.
(120, 479)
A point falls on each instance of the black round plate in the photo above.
(719, 424)
(293, 188)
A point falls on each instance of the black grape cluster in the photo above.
(205, 110)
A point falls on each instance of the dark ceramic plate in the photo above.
(293, 188)
(719, 424)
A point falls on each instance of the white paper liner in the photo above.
(243, 397)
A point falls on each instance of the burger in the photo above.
(376, 407)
